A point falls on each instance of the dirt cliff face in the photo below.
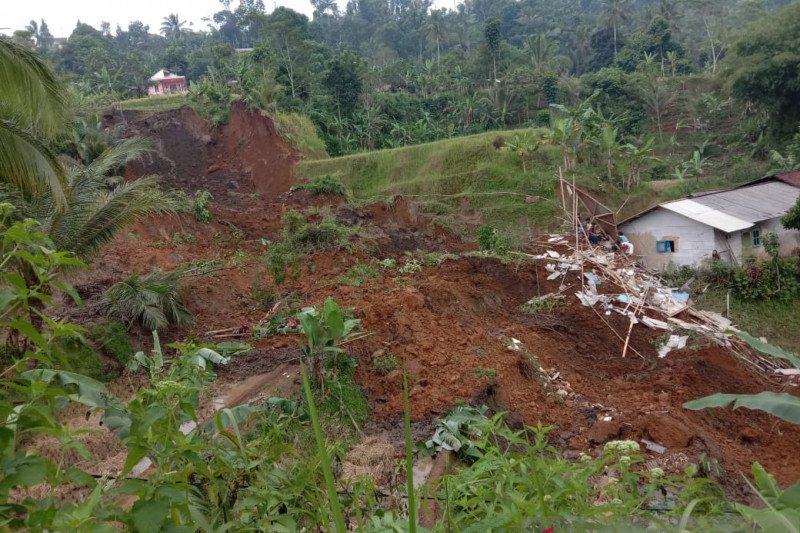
(246, 155)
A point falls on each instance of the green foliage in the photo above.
(211, 99)
(459, 431)
(300, 132)
(112, 337)
(202, 201)
(410, 266)
(323, 329)
(781, 511)
(783, 405)
(340, 398)
(152, 301)
(383, 364)
(541, 304)
(79, 357)
(791, 220)
(322, 185)
(558, 493)
(357, 275)
(281, 259)
(492, 240)
(759, 61)
(481, 372)
(33, 109)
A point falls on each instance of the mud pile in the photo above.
(458, 325)
(246, 155)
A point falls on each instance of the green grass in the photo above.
(80, 358)
(113, 338)
(343, 397)
(776, 320)
(357, 275)
(154, 103)
(300, 132)
(444, 176)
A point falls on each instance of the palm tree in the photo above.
(98, 204)
(541, 51)
(616, 14)
(172, 26)
(33, 110)
(435, 26)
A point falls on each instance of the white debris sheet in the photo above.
(676, 342)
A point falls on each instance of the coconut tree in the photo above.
(436, 29)
(172, 26)
(33, 110)
(615, 14)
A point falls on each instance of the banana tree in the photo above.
(525, 144)
(780, 404)
(324, 329)
(638, 158)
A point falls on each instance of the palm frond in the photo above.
(33, 110)
(30, 90)
(152, 300)
(27, 163)
(96, 215)
(118, 155)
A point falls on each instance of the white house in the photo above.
(732, 222)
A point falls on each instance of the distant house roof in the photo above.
(164, 74)
(737, 209)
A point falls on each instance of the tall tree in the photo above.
(616, 13)
(172, 26)
(491, 32)
(436, 30)
(343, 81)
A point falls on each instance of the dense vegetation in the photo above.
(376, 74)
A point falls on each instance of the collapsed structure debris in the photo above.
(612, 282)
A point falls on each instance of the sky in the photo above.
(62, 15)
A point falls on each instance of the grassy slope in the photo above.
(155, 103)
(453, 175)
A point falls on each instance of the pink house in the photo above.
(165, 82)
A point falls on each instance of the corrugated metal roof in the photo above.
(754, 204)
(707, 215)
(740, 208)
(791, 178)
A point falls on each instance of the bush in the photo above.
(282, 260)
(384, 364)
(113, 338)
(202, 201)
(322, 185)
(492, 240)
(210, 100)
(152, 301)
(78, 357)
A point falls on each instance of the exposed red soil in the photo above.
(448, 322)
(246, 155)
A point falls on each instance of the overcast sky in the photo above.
(62, 15)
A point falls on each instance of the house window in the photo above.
(665, 247)
(756, 237)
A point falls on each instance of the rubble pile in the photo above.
(612, 282)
